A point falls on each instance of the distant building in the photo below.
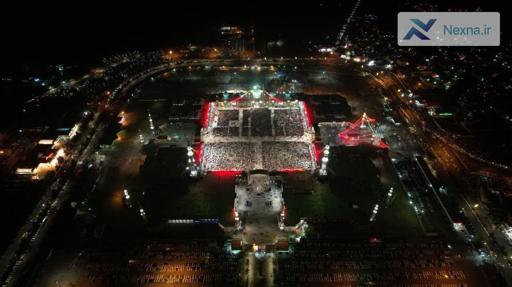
(232, 38)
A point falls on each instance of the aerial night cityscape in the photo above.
(338, 143)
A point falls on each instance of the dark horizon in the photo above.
(307, 144)
(52, 34)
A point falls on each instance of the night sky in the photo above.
(72, 32)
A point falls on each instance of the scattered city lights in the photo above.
(256, 153)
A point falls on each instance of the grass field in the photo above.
(349, 195)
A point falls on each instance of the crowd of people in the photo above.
(385, 264)
(243, 140)
(189, 263)
(258, 122)
(287, 155)
(224, 117)
(275, 156)
(229, 156)
(288, 122)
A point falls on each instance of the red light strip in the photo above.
(308, 114)
(199, 153)
(352, 136)
(316, 151)
(226, 173)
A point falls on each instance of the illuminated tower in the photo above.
(362, 131)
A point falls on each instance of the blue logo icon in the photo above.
(424, 26)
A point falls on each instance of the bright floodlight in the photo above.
(256, 91)
(508, 232)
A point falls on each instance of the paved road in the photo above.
(453, 160)
(18, 258)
